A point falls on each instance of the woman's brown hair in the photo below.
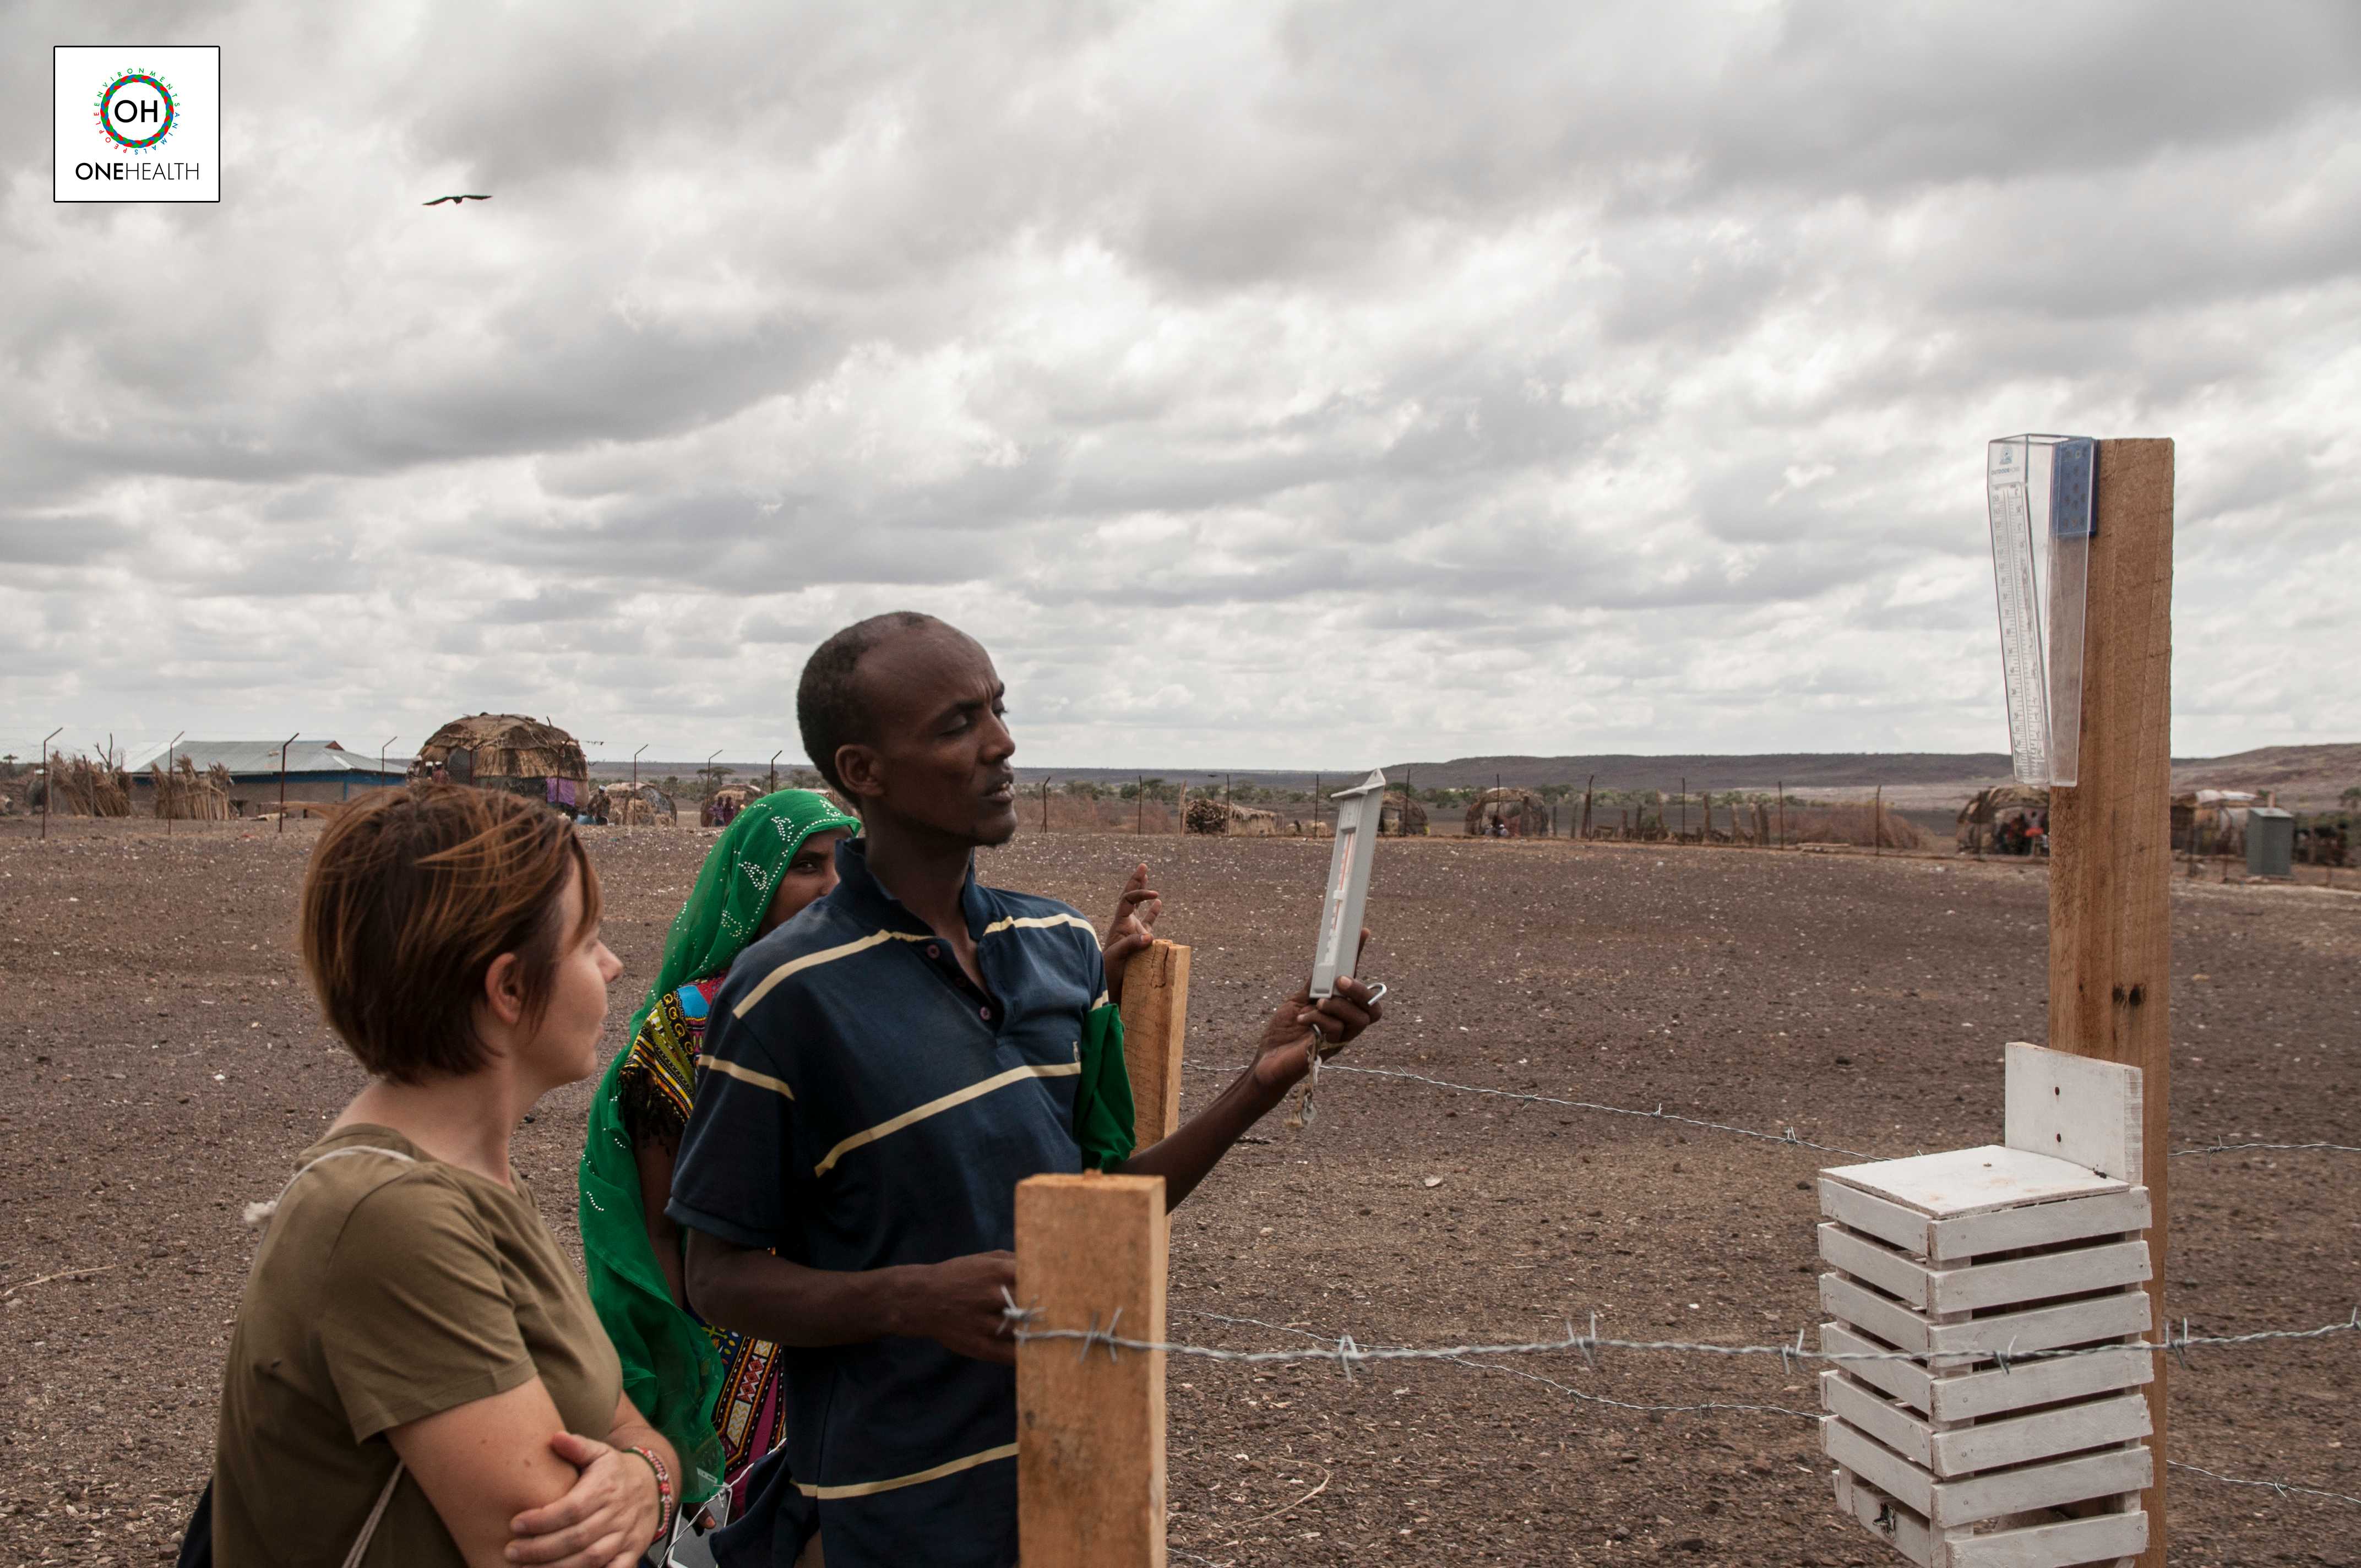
(411, 895)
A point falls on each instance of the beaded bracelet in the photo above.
(665, 1500)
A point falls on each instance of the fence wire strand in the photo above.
(1790, 1137)
(1347, 1352)
(2240, 1149)
(1582, 1394)
(2284, 1488)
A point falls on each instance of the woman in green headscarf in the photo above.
(714, 1394)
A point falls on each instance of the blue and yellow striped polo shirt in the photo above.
(862, 1105)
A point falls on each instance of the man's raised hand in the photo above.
(1284, 1053)
(1131, 930)
(962, 1305)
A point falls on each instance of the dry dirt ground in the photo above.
(165, 1065)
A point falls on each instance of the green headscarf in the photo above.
(670, 1369)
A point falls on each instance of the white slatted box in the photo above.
(1968, 1457)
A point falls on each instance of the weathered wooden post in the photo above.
(1091, 1255)
(283, 780)
(2110, 840)
(1155, 1021)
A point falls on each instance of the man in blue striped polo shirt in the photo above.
(880, 1074)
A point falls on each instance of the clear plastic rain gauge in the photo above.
(2042, 579)
(1359, 811)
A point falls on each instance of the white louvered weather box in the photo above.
(1980, 1455)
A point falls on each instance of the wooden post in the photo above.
(282, 782)
(1155, 1021)
(2111, 842)
(1877, 822)
(1090, 1428)
(1585, 804)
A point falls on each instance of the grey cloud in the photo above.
(1621, 371)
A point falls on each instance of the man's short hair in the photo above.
(411, 894)
(828, 710)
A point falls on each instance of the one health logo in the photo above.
(138, 124)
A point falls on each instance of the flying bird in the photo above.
(440, 200)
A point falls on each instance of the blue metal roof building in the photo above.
(316, 770)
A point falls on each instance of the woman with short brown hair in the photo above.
(416, 1365)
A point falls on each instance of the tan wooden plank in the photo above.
(2019, 1440)
(1947, 1452)
(1971, 1395)
(1892, 1272)
(1875, 1463)
(2110, 835)
(1889, 1321)
(2102, 1538)
(1155, 1025)
(1874, 1216)
(1986, 1497)
(1889, 1520)
(2042, 1328)
(2077, 1107)
(1905, 1380)
(2067, 1272)
(1090, 1427)
(2057, 1543)
(2038, 1224)
(1956, 1182)
(1872, 1413)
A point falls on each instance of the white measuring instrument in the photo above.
(2042, 583)
(1332, 952)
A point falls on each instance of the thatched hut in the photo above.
(1398, 816)
(1305, 827)
(77, 787)
(2212, 821)
(1520, 811)
(722, 807)
(189, 795)
(623, 806)
(1206, 815)
(1981, 817)
(508, 751)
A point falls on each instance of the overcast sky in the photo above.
(1263, 385)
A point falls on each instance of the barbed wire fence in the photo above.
(1789, 1136)
(1346, 1352)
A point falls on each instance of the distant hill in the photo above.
(1798, 770)
(2310, 777)
(2305, 776)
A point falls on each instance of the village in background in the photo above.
(2278, 809)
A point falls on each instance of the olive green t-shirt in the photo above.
(387, 1290)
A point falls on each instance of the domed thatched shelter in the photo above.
(1988, 809)
(722, 807)
(1390, 818)
(1523, 813)
(618, 804)
(508, 751)
(1207, 815)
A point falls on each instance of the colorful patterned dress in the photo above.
(658, 1084)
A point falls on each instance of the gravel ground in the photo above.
(169, 1066)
